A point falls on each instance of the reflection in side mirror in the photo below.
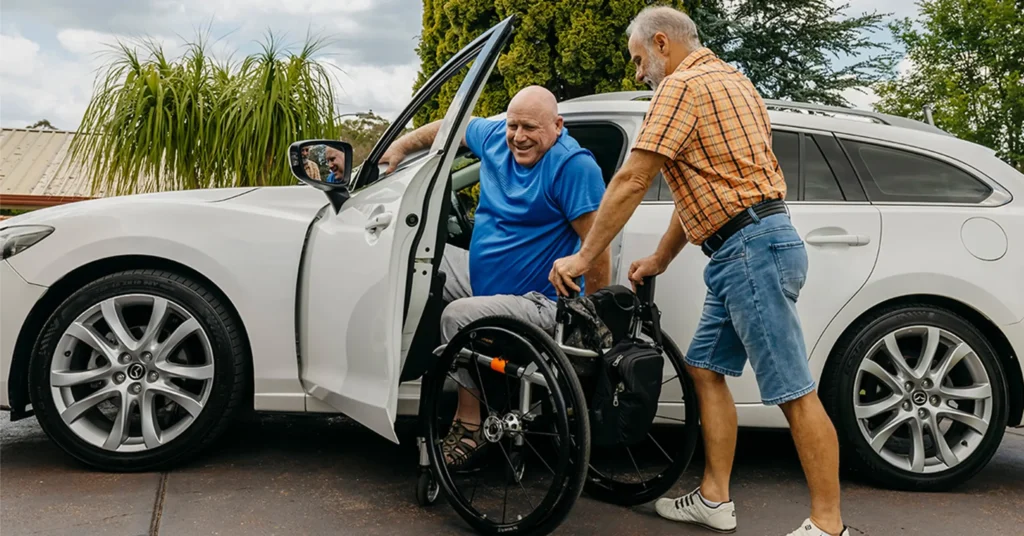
(324, 164)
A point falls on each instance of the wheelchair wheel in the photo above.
(640, 473)
(426, 489)
(520, 481)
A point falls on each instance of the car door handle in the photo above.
(845, 239)
(379, 222)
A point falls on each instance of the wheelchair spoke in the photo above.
(670, 460)
(518, 481)
(670, 379)
(470, 391)
(635, 466)
(528, 444)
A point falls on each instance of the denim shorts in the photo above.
(753, 284)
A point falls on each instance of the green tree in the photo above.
(789, 48)
(571, 47)
(362, 130)
(966, 59)
(42, 124)
(196, 123)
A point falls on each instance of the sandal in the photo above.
(462, 445)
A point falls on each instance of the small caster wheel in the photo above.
(426, 489)
(517, 468)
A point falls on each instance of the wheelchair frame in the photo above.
(428, 488)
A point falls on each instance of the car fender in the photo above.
(880, 290)
(249, 246)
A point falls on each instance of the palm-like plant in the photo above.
(154, 124)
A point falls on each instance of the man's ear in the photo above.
(558, 123)
(661, 43)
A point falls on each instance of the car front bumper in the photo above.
(19, 296)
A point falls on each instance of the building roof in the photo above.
(35, 162)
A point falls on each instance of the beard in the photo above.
(657, 66)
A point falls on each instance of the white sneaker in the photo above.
(692, 508)
(810, 529)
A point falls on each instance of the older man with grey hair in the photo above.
(707, 129)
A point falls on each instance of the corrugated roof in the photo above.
(36, 162)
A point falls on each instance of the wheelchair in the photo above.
(533, 391)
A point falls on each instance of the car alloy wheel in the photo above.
(132, 372)
(927, 411)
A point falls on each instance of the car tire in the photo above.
(189, 377)
(852, 385)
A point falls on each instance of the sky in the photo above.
(51, 50)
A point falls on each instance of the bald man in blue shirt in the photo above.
(539, 191)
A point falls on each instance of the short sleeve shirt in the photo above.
(523, 221)
(713, 126)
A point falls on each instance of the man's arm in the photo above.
(673, 241)
(418, 140)
(599, 275)
(625, 192)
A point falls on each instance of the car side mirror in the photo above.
(325, 165)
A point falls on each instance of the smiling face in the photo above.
(532, 125)
(335, 160)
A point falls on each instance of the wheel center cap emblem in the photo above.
(919, 398)
(136, 371)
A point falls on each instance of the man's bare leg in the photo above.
(468, 411)
(818, 448)
(718, 425)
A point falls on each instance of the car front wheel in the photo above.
(918, 397)
(138, 370)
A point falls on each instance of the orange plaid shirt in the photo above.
(709, 120)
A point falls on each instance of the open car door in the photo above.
(370, 258)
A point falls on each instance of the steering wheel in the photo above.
(462, 218)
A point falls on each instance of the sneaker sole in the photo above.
(703, 526)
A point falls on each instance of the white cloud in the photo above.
(19, 55)
(385, 90)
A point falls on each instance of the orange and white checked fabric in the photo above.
(711, 123)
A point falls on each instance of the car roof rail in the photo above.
(788, 106)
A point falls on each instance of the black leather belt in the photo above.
(739, 221)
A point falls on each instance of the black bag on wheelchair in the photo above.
(624, 383)
(626, 391)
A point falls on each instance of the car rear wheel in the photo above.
(919, 398)
(138, 370)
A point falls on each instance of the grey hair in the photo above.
(678, 26)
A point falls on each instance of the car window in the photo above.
(896, 175)
(820, 182)
(786, 146)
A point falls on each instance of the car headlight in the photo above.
(18, 238)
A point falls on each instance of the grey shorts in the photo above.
(464, 308)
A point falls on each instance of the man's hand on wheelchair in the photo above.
(645, 267)
(565, 271)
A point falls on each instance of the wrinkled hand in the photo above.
(565, 271)
(647, 266)
(392, 157)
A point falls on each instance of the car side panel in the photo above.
(248, 246)
(922, 253)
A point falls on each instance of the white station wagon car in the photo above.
(135, 327)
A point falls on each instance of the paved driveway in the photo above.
(301, 475)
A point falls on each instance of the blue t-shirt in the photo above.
(523, 219)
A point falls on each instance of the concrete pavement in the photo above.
(286, 475)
